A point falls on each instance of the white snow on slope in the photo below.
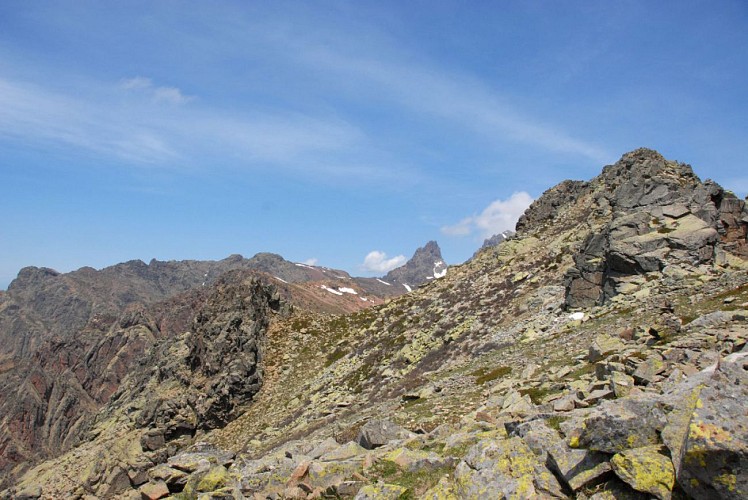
(407, 287)
(576, 316)
(280, 279)
(443, 272)
(331, 290)
(302, 265)
(383, 282)
(347, 290)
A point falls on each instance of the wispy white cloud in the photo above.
(172, 95)
(33, 114)
(497, 217)
(457, 98)
(377, 262)
(311, 262)
(145, 132)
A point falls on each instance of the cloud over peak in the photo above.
(377, 262)
(497, 217)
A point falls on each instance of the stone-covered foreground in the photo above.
(636, 426)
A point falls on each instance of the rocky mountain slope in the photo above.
(600, 353)
(68, 340)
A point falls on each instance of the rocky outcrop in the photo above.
(220, 366)
(181, 386)
(660, 214)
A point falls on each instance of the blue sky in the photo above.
(328, 130)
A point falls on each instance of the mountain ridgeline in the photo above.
(599, 352)
(68, 340)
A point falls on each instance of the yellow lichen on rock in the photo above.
(646, 469)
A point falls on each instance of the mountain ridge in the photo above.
(100, 321)
(533, 369)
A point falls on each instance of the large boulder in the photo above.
(503, 469)
(647, 470)
(379, 432)
(707, 433)
(622, 424)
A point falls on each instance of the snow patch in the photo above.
(280, 279)
(440, 274)
(331, 290)
(302, 265)
(364, 299)
(407, 287)
(577, 316)
(347, 290)
(383, 282)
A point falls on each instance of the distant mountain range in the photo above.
(68, 339)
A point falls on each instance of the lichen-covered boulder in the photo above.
(443, 490)
(622, 424)
(326, 474)
(501, 469)
(414, 460)
(603, 346)
(646, 469)
(707, 434)
(216, 478)
(344, 452)
(380, 491)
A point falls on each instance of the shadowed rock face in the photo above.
(217, 363)
(48, 399)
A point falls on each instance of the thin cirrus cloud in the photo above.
(32, 114)
(171, 95)
(150, 131)
(497, 217)
(457, 98)
(377, 262)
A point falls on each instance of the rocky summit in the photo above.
(599, 353)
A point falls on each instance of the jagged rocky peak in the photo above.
(644, 177)
(426, 264)
(649, 213)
